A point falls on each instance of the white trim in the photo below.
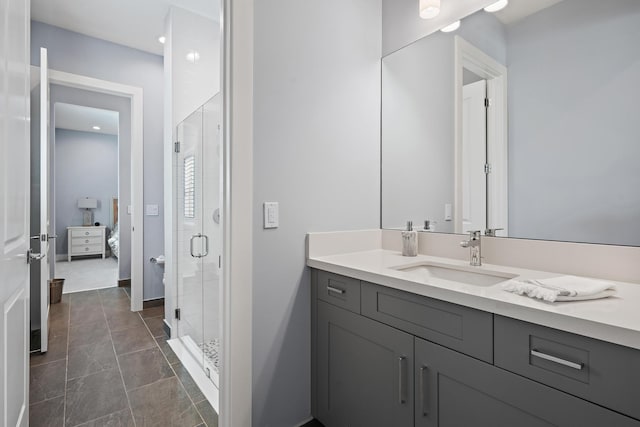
(135, 94)
(194, 367)
(470, 57)
(45, 214)
(236, 378)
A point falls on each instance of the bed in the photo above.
(114, 236)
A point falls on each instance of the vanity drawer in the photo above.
(338, 290)
(601, 372)
(464, 329)
(86, 232)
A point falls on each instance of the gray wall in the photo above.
(79, 54)
(86, 165)
(573, 144)
(316, 151)
(418, 122)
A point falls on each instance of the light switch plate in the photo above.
(270, 215)
(129, 209)
(152, 210)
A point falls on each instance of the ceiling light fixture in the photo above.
(96, 128)
(162, 39)
(499, 5)
(429, 8)
(451, 27)
(193, 56)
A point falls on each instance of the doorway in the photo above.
(85, 151)
(481, 171)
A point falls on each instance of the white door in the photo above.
(45, 220)
(14, 211)
(474, 157)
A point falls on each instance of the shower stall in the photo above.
(198, 228)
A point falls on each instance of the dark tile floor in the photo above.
(107, 366)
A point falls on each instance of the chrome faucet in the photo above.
(474, 247)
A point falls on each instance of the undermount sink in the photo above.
(427, 271)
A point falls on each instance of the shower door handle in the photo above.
(191, 245)
(206, 245)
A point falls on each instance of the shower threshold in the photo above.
(205, 377)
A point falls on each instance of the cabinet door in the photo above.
(365, 371)
(454, 390)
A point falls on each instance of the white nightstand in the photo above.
(86, 241)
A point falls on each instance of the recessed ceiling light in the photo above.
(499, 5)
(193, 56)
(451, 27)
(96, 128)
(429, 8)
(162, 39)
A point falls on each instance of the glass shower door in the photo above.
(211, 227)
(191, 243)
(199, 235)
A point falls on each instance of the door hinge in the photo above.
(219, 261)
(176, 146)
(177, 313)
(487, 168)
(487, 103)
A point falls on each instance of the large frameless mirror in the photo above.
(524, 121)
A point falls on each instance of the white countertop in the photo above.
(615, 319)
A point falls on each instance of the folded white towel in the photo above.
(562, 288)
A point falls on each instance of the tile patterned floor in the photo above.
(107, 366)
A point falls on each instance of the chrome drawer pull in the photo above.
(423, 392)
(401, 387)
(335, 290)
(545, 356)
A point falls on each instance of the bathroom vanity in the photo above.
(392, 347)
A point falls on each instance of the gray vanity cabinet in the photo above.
(365, 371)
(389, 358)
(454, 390)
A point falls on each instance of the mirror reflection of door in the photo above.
(474, 153)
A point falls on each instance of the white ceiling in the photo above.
(519, 9)
(133, 23)
(80, 118)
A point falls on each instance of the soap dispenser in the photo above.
(409, 241)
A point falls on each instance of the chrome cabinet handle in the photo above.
(423, 393)
(401, 386)
(335, 290)
(557, 360)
